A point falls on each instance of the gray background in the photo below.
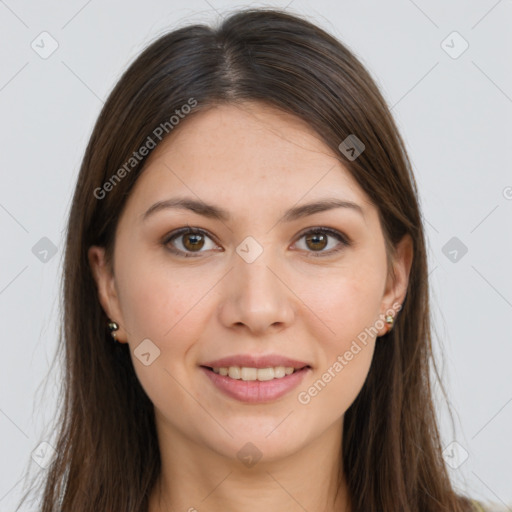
(454, 112)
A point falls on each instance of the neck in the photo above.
(194, 479)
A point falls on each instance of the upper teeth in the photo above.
(244, 373)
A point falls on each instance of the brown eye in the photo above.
(317, 239)
(188, 242)
(193, 241)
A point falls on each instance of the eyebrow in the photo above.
(217, 213)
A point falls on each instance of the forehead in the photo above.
(248, 154)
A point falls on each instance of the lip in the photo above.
(256, 392)
(254, 361)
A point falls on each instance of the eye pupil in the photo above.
(315, 239)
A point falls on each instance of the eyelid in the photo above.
(344, 240)
(324, 229)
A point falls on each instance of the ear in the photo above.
(397, 280)
(107, 293)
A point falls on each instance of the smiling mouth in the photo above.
(255, 374)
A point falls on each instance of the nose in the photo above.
(256, 297)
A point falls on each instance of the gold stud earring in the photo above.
(113, 327)
(390, 320)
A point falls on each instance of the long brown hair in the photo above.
(107, 454)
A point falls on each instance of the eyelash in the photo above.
(345, 241)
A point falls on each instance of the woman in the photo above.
(246, 317)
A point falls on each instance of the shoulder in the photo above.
(489, 507)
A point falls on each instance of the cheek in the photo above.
(348, 304)
(344, 357)
(162, 305)
(339, 385)
(345, 303)
(158, 301)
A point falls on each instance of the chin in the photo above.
(266, 440)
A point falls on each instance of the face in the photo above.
(306, 286)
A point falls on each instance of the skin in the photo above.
(256, 162)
